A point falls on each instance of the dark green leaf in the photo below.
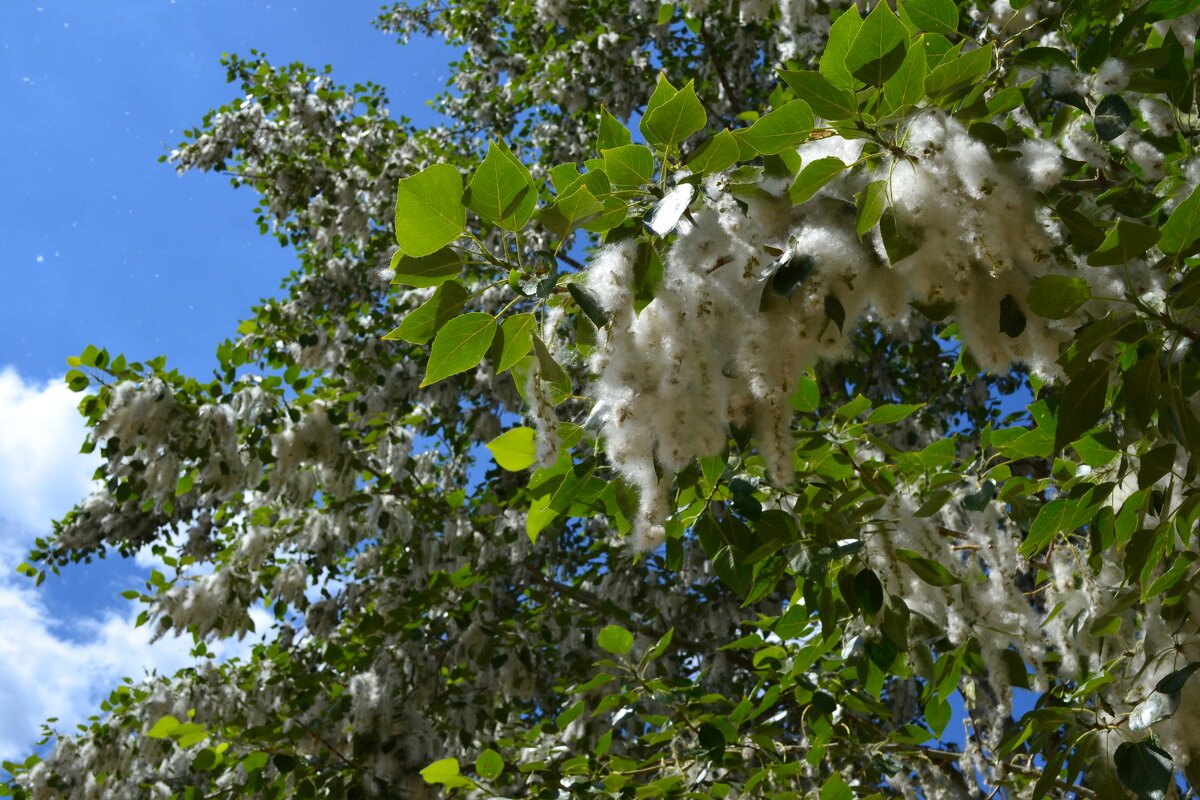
(588, 303)
(421, 324)
(1124, 242)
(431, 270)
(791, 274)
(1112, 117)
(1155, 464)
(899, 241)
(869, 592)
(926, 569)
(1057, 296)
(1012, 318)
(1144, 769)
(1174, 682)
(835, 310)
(1082, 403)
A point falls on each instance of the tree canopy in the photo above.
(754, 399)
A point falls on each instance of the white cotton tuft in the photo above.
(1112, 77)
(1158, 116)
(1042, 162)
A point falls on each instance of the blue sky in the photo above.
(103, 245)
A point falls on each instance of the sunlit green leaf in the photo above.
(429, 210)
(460, 345)
(515, 449)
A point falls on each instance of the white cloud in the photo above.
(52, 666)
(42, 472)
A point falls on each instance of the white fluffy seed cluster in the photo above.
(718, 347)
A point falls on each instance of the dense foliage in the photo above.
(859, 398)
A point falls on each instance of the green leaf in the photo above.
(889, 414)
(825, 99)
(551, 370)
(460, 345)
(1182, 228)
(782, 128)
(441, 771)
(717, 154)
(899, 241)
(431, 270)
(163, 728)
(629, 165)
(429, 210)
(835, 310)
(672, 114)
(1112, 117)
(252, 762)
(1155, 464)
(1124, 242)
(1053, 518)
(926, 569)
(1174, 682)
(907, 86)
(1144, 769)
(836, 788)
(841, 37)
(516, 339)
(958, 73)
(612, 132)
(421, 324)
(935, 16)
(588, 303)
(1057, 296)
(870, 203)
(489, 765)
(572, 209)
(1012, 318)
(185, 483)
(615, 639)
(502, 190)
(814, 175)
(1082, 403)
(878, 48)
(937, 715)
(514, 450)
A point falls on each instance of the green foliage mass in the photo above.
(923, 526)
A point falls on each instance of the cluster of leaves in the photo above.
(767, 649)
